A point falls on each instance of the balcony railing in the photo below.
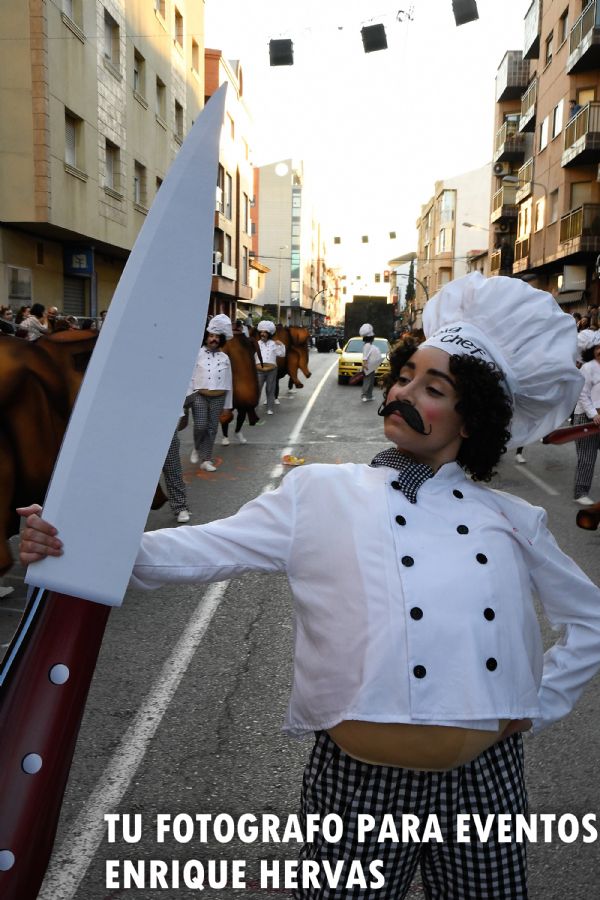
(531, 40)
(525, 176)
(583, 222)
(504, 203)
(510, 143)
(582, 137)
(512, 77)
(522, 248)
(501, 260)
(528, 102)
(495, 261)
(584, 40)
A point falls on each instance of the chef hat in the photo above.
(524, 332)
(220, 324)
(366, 330)
(266, 326)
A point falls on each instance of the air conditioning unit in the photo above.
(502, 228)
(501, 168)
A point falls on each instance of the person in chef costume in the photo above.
(418, 659)
(210, 390)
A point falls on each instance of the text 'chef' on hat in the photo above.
(266, 326)
(366, 330)
(220, 324)
(524, 332)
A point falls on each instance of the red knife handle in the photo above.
(41, 706)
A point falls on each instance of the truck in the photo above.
(375, 310)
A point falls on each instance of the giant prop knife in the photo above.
(99, 497)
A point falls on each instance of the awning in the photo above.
(567, 298)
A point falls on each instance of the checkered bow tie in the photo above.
(411, 474)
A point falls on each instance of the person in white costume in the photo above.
(210, 390)
(371, 361)
(268, 351)
(418, 658)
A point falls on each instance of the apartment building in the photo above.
(452, 224)
(545, 210)
(289, 239)
(96, 97)
(233, 275)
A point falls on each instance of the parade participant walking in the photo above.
(268, 351)
(371, 361)
(419, 678)
(586, 411)
(211, 390)
(175, 484)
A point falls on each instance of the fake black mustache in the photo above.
(410, 415)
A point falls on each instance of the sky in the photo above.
(376, 130)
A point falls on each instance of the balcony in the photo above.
(504, 203)
(531, 40)
(512, 77)
(580, 229)
(521, 254)
(528, 104)
(525, 176)
(501, 261)
(584, 41)
(582, 137)
(510, 144)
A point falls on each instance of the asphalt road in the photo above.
(185, 709)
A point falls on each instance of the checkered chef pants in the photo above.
(206, 412)
(587, 451)
(174, 477)
(493, 783)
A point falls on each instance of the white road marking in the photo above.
(536, 480)
(72, 859)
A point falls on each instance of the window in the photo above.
(139, 73)
(178, 28)
(540, 208)
(228, 195)
(446, 207)
(178, 121)
(246, 149)
(246, 214)
(161, 98)
(195, 56)
(553, 207)
(231, 127)
(159, 181)
(72, 10)
(111, 40)
(112, 172)
(557, 119)
(586, 95)
(160, 7)
(563, 27)
(295, 229)
(548, 53)
(139, 183)
(581, 192)
(72, 138)
(19, 285)
(68, 8)
(227, 250)
(544, 133)
(244, 265)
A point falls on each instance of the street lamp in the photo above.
(471, 225)
(283, 247)
(312, 304)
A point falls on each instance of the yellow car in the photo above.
(350, 361)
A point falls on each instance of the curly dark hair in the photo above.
(588, 355)
(483, 403)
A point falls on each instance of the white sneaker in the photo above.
(364, 399)
(194, 456)
(208, 466)
(584, 501)
(264, 402)
(520, 458)
(225, 442)
(241, 438)
(183, 516)
(269, 412)
(276, 402)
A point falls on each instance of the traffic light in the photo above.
(386, 276)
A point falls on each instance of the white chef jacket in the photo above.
(270, 351)
(371, 358)
(424, 616)
(589, 399)
(212, 371)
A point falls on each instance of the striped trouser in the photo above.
(335, 783)
(174, 477)
(206, 412)
(587, 449)
(270, 380)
